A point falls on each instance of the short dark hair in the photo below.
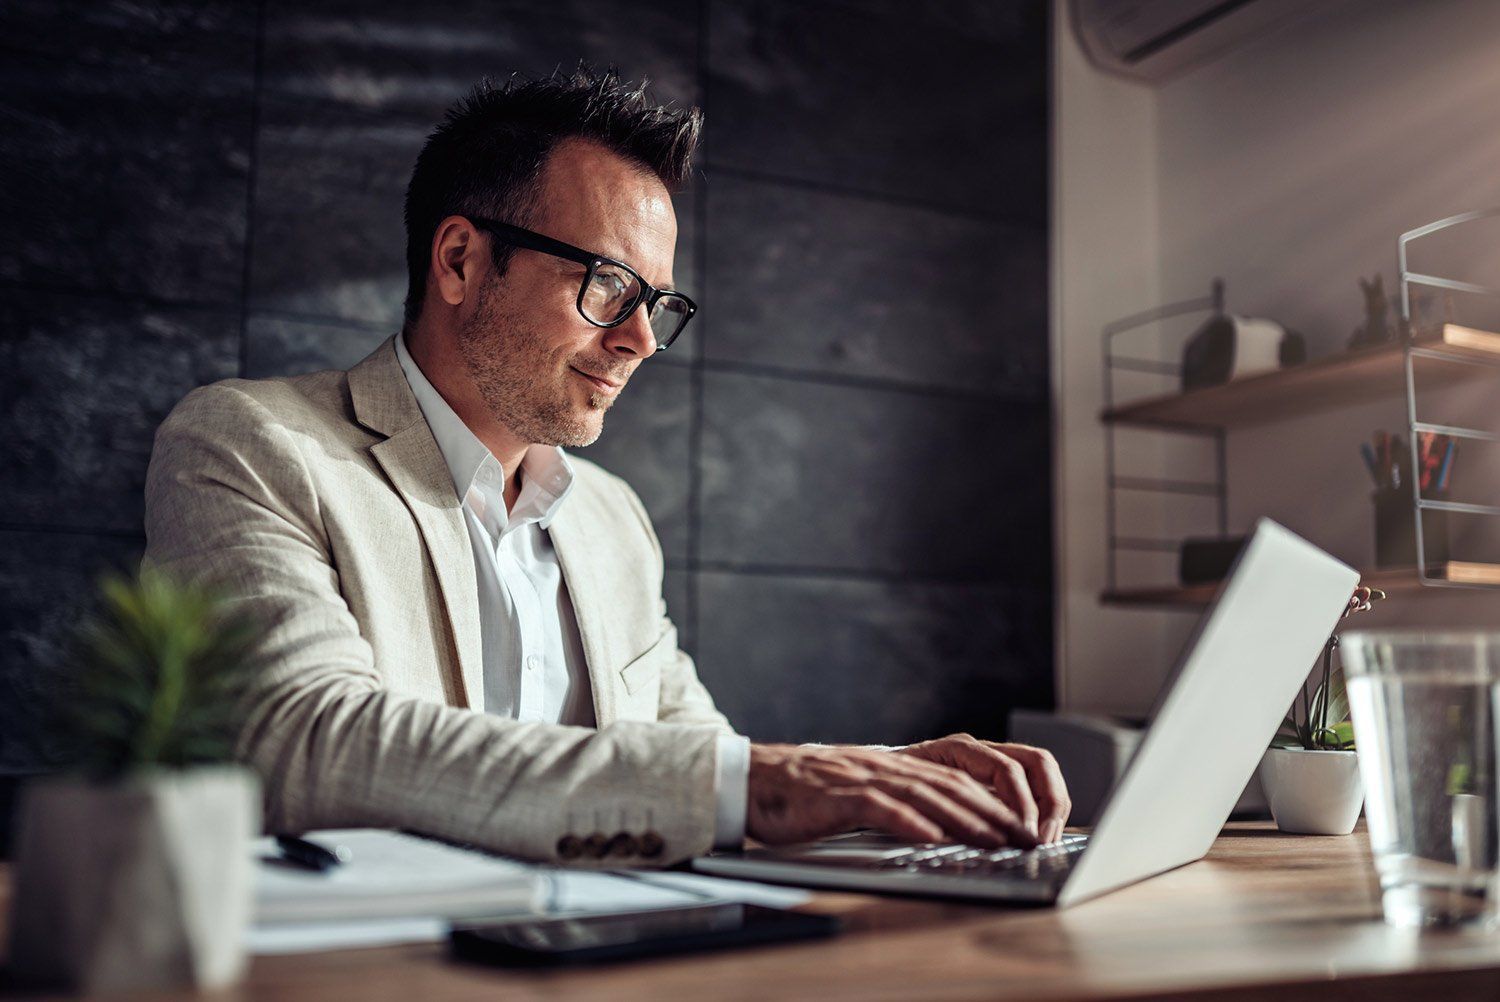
(487, 155)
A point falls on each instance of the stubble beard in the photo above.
(507, 358)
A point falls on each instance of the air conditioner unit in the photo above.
(1154, 40)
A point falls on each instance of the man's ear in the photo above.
(454, 247)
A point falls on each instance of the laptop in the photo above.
(1237, 675)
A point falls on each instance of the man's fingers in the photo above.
(987, 762)
(1009, 778)
(958, 823)
(962, 789)
(951, 790)
(1046, 779)
(874, 809)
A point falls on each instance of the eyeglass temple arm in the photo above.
(518, 237)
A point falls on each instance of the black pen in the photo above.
(310, 854)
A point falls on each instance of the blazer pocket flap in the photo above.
(645, 669)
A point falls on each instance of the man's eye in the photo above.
(610, 284)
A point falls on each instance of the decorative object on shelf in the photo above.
(1311, 773)
(1396, 533)
(1229, 347)
(1204, 560)
(1293, 350)
(136, 872)
(1388, 459)
(1376, 329)
(1435, 454)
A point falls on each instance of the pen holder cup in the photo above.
(1396, 531)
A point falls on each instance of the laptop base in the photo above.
(870, 861)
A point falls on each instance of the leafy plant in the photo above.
(163, 667)
(1324, 723)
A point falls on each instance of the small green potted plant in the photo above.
(1311, 773)
(134, 870)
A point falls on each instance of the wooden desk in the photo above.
(1266, 915)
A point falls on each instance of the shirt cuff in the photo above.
(731, 790)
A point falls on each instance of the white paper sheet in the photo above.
(310, 937)
(723, 889)
(390, 874)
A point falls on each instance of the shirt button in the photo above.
(533, 663)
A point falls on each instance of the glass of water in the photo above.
(1425, 707)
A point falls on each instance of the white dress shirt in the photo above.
(534, 667)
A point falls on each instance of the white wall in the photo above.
(1104, 262)
(1288, 167)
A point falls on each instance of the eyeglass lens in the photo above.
(610, 293)
(667, 318)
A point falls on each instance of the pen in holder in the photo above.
(1396, 531)
(1389, 462)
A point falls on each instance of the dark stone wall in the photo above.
(847, 456)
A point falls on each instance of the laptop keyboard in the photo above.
(1048, 862)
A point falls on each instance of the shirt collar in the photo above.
(547, 476)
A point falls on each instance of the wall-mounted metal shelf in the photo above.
(1478, 350)
(1322, 384)
(1216, 488)
(1444, 354)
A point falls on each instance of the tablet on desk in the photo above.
(600, 938)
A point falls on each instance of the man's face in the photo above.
(544, 371)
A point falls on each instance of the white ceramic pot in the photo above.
(1312, 792)
(144, 883)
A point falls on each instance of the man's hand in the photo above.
(1026, 779)
(802, 792)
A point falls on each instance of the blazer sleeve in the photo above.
(231, 504)
(684, 699)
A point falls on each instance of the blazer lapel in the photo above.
(577, 555)
(383, 402)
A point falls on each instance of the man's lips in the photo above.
(599, 381)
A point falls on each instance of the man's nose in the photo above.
(633, 337)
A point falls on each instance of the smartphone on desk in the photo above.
(599, 938)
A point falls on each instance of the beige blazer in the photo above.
(322, 505)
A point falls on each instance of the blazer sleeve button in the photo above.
(623, 844)
(652, 845)
(569, 847)
(596, 845)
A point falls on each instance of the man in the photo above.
(464, 630)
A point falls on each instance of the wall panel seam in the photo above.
(873, 195)
(255, 91)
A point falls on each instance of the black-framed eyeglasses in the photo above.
(611, 290)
